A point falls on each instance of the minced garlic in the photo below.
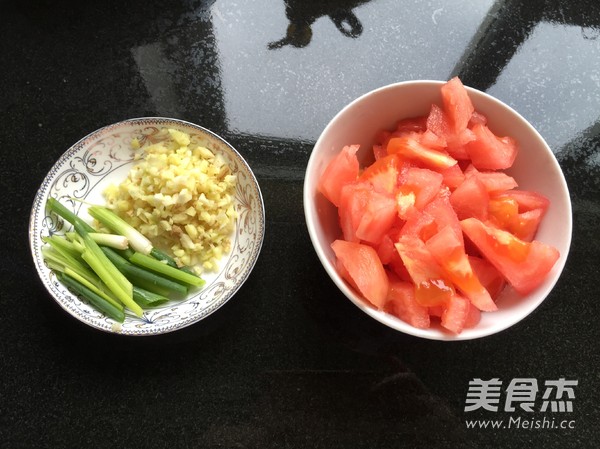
(181, 196)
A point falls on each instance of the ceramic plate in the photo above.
(104, 157)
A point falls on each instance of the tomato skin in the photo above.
(365, 269)
(402, 303)
(343, 169)
(523, 264)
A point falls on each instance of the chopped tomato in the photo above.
(526, 200)
(414, 124)
(432, 288)
(523, 264)
(437, 214)
(401, 299)
(457, 104)
(423, 183)
(470, 199)
(353, 201)
(436, 311)
(437, 122)
(455, 314)
(410, 147)
(526, 224)
(342, 169)
(476, 118)
(431, 140)
(345, 274)
(403, 247)
(452, 176)
(504, 214)
(365, 269)
(444, 215)
(473, 317)
(489, 151)
(494, 181)
(384, 173)
(489, 277)
(379, 151)
(449, 253)
(502, 211)
(365, 214)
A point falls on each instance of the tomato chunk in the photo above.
(455, 314)
(457, 104)
(523, 264)
(426, 183)
(449, 253)
(489, 277)
(342, 169)
(470, 199)
(489, 151)
(494, 181)
(401, 299)
(384, 173)
(432, 288)
(526, 200)
(411, 148)
(365, 214)
(365, 269)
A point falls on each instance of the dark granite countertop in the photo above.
(289, 362)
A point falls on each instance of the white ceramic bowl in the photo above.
(105, 156)
(535, 168)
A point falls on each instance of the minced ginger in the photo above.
(180, 196)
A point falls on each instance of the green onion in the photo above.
(147, 299)
(166, 270)
(60, 210)
(93, 287)
(113, 278)
(110, 240)
(116, 224)
(148, 280)
(163, 257)
(62, 260)
(63, 245)
(95, 300)
(136, 239)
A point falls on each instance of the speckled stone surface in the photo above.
(289, 362)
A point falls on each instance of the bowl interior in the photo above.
(105, 156)
(535, 168)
